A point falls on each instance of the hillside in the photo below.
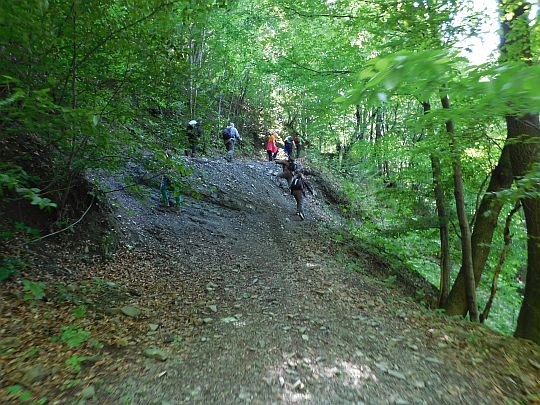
(234, 300)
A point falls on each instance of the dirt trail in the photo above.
(263, 312)
(253, 306)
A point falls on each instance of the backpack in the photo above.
(227, 134)
(297, 183)
(292, 167)
(296, 140)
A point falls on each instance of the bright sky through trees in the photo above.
(480, 48)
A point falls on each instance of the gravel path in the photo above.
(255, 306)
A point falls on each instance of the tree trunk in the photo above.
(372, 124)
(485, 224)
(502, 258)
(525, 131)
(466, 247)
(358, 122)
(440, 202)
(378, 137)
(444, 285)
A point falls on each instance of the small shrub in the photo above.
(9, 266)
(73, 336)
(35, 290)
(75, 362)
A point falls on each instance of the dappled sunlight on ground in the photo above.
(290, 397)
(350, 374)
(303, 378)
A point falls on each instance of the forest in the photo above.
(421, 128)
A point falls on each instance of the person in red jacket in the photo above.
(271, 147)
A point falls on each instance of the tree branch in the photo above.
(320, 72)
(69, 226)
(104, 40)
(140, 180)
(112, 34)
(310, 15)
(502, 258)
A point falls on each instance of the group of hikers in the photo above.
(292, 172)
(289, 143)
(194, 132)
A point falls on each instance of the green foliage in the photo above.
(75, 362)
(30, 353)
(506, 89)
(28, 232)
(9, 266)
(22, 395)
(79, 312)
(73, 335)
(34, 290)
(73, 383)
(177, 340)
(419, 295)
(14, 178)
(388, 232)
(82, 102)
(390, 281)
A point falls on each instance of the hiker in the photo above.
(166, 186)
(288, 145)
(271, 147)
(193, 132)
(230, 137)
(289, 167)
(299, 142)
(298, 186)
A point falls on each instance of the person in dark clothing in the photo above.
(299, 142)
(298, 186)
(288, 145)
(193, 132)
(289, 166)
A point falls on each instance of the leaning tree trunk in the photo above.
(466, 248)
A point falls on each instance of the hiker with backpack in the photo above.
(193, 132)
(289, 167)
(298, 186)
(288, 145)
(271, 147)
(230, 137)
(299, 142)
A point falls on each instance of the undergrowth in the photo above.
(399, 225)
